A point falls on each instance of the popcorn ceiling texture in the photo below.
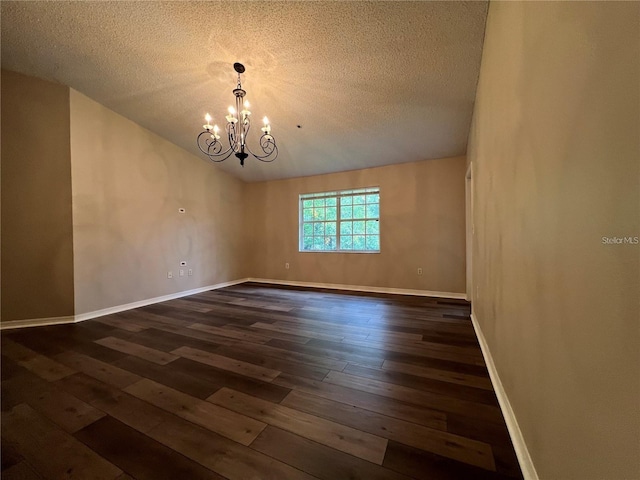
(371, 83)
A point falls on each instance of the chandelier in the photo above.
(237, 129)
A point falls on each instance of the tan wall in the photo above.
(422, 225)
(128, 185)
(37, 256)
(555, 152)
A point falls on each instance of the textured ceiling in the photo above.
(370, 83)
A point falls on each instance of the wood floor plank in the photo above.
(44, 343)
(262, 305)
(138, 455)
(221, 378)
(430, 362)
(416, 397)
(223, 421)
(196, 334)
(506, 460)
(473, 394)
(305, 332)
(449, 338)
(87, 332)
(417, 345)
(374, 332)
(20, 471)
(50, 450)
(10, 454)
(137, 350)
(442, 325)
(215, 319)
(42, 366)
(437, 374)
(95, 368)
(376, 403)
(429, 439)
(233, 314)
(346, 439)
(294, 368)
(10, 368)
(295, 338)
(167, 341)
(226, 363)
(318, 460)
(332, 329)
(229, 333)
(189, 305)
(13, 391)
(423, 465)
(63, 409)
(126, 408)
(228, 458)
(170, 375)
(121, 323)
(419, 349)
(97, 352)
(294, 356)
(156, 315)
(124, 476)
(370, 358)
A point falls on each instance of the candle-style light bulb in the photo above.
(231, 118)
(207, 118)
(215, 135)
(267, 128)
(245, 112)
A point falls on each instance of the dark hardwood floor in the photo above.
(255, 382)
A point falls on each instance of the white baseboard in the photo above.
(143, 303)
(522, 452)
(40, 322)
(36, 322)
(80, 317)
(361, 288)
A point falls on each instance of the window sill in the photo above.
(338, 251)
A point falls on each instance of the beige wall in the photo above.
(422, 225)
(124, 186)
(37, 256)
(555, 152)
(128, 185)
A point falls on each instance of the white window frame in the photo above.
(338, 195)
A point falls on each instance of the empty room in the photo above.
(320, 240)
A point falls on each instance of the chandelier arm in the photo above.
(232, 136)
(222, 157)
(268, 146)
(213, 148)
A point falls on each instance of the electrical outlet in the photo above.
(419, 271)
(182, 272)
(286, 265)
(169, 274)
(190, 272)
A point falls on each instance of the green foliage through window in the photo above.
(346, 221)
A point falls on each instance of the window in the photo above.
(347, 221)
